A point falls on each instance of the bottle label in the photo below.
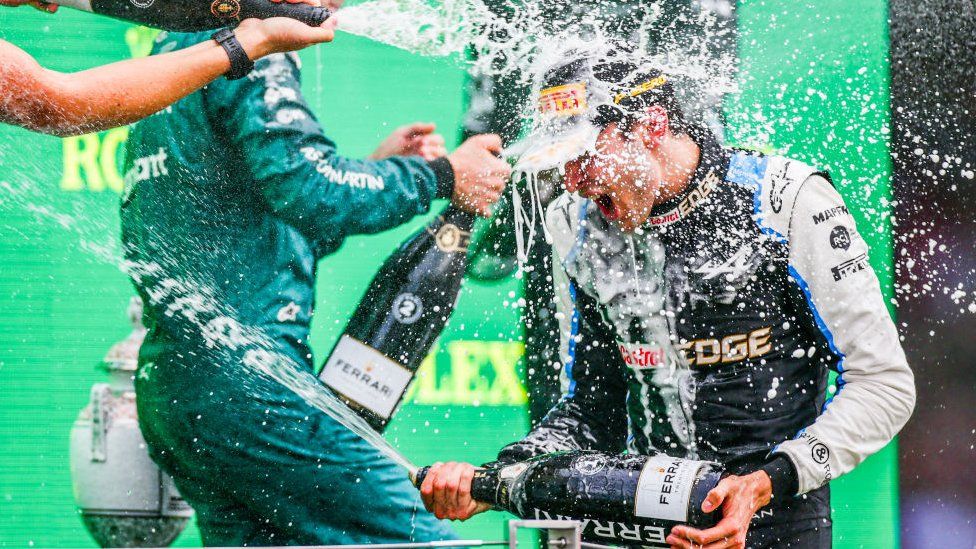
(366, 376)
(171, 502)
(664, 488)
(450, 238)
(647, 534)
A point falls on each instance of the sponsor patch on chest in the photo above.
(642, 356)
(731, 348)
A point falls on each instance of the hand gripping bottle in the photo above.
(405, 308)
(198, 15)
(619, 498)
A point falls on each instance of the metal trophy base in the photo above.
(109, 531)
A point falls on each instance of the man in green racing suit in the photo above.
(232, 195)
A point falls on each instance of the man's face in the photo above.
(620, 176)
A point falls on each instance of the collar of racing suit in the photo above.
(714, 159)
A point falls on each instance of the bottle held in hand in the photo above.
(199, 15)
(619, 498)
(395, 324)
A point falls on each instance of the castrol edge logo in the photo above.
(641, 356)
(694, 198)
(731, 348)
(565, 100)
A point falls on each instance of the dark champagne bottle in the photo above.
(619, 498)
(404, 310)
(198, 15)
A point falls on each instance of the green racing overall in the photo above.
(232, 195)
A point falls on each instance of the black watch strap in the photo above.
(240, 63)
(444, 174)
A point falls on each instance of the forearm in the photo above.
(566, 427)
(592, 413)
(116, 94)
(302, 178)
(859, 421)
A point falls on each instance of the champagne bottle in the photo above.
(619, 498)
(198, 15)
(404, 310)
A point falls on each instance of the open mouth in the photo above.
(607, 207)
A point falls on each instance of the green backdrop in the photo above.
(813, 82)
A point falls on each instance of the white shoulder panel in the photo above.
(775, 180)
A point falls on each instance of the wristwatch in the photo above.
(240, 63)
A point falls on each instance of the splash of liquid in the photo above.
(522, 41)
(195, 304)
(447, 28)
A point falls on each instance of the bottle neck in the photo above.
(456, 216)
(452, 229)
(487, 487)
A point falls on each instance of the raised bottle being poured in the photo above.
(395, 325)
(198, 15)
(619, 498)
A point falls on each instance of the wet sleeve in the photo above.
(875, 387)
(296, 168)
(592, 414)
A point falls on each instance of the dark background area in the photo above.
(933, 81)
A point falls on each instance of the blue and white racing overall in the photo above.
(709, 333)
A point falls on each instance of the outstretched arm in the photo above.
(39, 4)
(305, 182)
(120, 93)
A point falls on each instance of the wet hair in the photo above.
(637, 90)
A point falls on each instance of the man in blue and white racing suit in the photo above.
(704, 295)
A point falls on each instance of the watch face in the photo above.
(225, 9)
